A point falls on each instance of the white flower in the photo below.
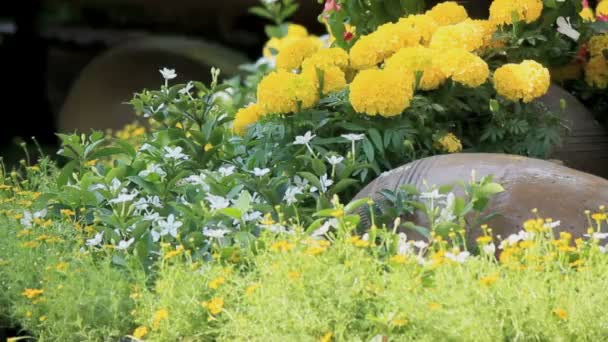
(324, 228)
(168, 74)
(96, 241)
(151, 216)
(515, 238)
(553, 224)
(304, 139)
(125, 196)
(260, 172)
(460, 257)
(186, 90)
(365, 237)
(489, 248)
(447, 213)
(146, 147)
(603, 249)
(141, 204)
(325, 181)
(226, 170)
(253, 216)
(565, 27)
(353, 137)
(124, 244)
(420, 244)
(335, 160)
(433, 195)
(597, 236)
(115, 185)
(290, 194)
(175, 153)
(97, 186)
(153, 168)
(404, 247)
(300, 182)
(268, 2)
(28, 217)
(215, 233)
(169, 226)
(217, 202)
(155, 201)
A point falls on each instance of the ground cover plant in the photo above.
(229, 215)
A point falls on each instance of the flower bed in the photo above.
(226, 220)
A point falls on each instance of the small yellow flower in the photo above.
(208, 147)
(160, 316)
(599, 216)
(489, 279)
(315, 250)
(399, 322)
(561, 313)
(32, 293)
(282, 246)
(358, 242)
(450, 143)
(434, 306)
(482, 240)
(252, 288)
(216, 283)
(29, 314)
(215, 305)
(328, 337)
(172, 254)
(338, 213)
(42, 318)
(294, 275)
(141, 332)
(92, 162)
(62, 266)
(67, 212)
(399, 259)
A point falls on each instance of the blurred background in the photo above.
(70, 65)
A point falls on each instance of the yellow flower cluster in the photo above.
(418, 59)
(332, 63)
(274, 45)
(246, 117)
(596, 72)
(602, 8)
(450, 143)
(381, 92)
(469, 35)
(423, 25)
(295, 51)
(525, 81)
(464, 67)
(501, 11)
(598, 44)
(286, 92)
(448, 13)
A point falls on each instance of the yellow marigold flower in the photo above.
(245, 117)
(450, 143)
(467, 35)
(587, 14)
(381, 92)
(294, 31)
(598, 44)
(596, 72)
(141, 332)
(448, 13)
(414, 59)
(215, 305)
(176, 252)
(423, 25)
(501, 11)
(525, 81)
(216, 283)
(373, 48)
(602, 8)
(285, 92)
(282, 246)
(561, 313)
(327, 57)
(334, 79)
(294, 52)
(32, 293)
(464, 67)
(159, 317)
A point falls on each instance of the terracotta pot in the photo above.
(557, 191)
(585, 145)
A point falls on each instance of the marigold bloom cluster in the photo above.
(286, 92)
(294, 52)
(274, 45)
(448, 13)
(464, 67)
(332, 63)
(525, 81)
(381, 92)
(501, 11)
(596, 72)
(246, 117)
(467, 35)
(598, 44)
(602, 8)
(450, 143)
(418, 59)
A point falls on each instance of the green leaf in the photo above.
(234, 213)
(314, 180)
(105, 152)
(491, 189)
(354, 205)
(66, 172)
(318, 167)
(343, 185)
